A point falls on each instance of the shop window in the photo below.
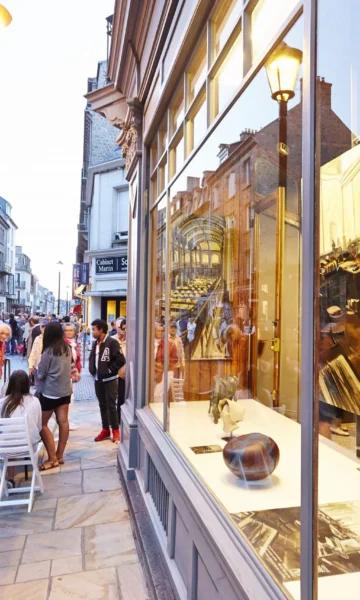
(338, 366)
(223, 21)
(229, 302)
(227, 78)
(266, 21)
(196, 71)
(157, 360)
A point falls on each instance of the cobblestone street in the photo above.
(78, 541)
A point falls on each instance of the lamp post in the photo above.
(60, 263)
(282, 69)
(5, 16)
(67, 300)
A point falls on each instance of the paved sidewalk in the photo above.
(78, 542)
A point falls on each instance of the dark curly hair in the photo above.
(54, 339)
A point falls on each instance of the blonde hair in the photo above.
(7, 328)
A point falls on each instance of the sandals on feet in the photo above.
(47, 465)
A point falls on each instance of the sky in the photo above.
(46, 56)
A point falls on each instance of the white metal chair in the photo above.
(177, 388)
(16, 449)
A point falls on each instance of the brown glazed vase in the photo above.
(252, 456)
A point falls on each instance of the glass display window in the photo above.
(338, 322)
(267, 17)
(223, 82)
(232, 316)
(157, 356)
(223, 21)
(196, 71)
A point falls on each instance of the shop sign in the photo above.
(111, 264)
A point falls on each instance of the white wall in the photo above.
(94, 309)
(109, 212)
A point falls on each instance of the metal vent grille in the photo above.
(159, 494)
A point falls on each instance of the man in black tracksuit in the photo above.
(104, 363)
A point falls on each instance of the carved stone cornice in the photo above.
(130, 138)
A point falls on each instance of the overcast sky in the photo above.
(46, 56)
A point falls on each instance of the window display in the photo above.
(338, 367)
(230, 297)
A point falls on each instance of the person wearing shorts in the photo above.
(54, 389)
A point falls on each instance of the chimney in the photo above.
(324, 92)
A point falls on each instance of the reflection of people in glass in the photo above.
(191, 327)
(173, 361)
(174, 337)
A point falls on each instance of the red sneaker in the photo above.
(103, 435)
(116, 435)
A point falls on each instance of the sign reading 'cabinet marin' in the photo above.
(111, 264)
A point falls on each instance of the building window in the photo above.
(120, 211)
(223, 83)
(196, 72)
(266, 19)
(223, 21)
(177, 110)
(231, 184)
(246, 172)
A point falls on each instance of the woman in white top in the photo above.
(36, 349)
(18, 402)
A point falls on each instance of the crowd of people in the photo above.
(54, 368)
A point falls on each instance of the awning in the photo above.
(106, 294)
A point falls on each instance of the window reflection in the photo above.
(197, 71)
(196, 124)
(227, 367)
(338, 367)
(157, 344)
(266, 19)
(226, 80)
(224, 19)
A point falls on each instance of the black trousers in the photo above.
(121, 396)
(107, 394)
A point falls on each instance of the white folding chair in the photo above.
(177, 387)
(16, 449)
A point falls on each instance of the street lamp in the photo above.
(60, 263)
(282, 69)
(67, 300)
(5, 16)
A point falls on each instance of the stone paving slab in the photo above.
(78, 542)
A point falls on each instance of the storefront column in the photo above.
(130, 141)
